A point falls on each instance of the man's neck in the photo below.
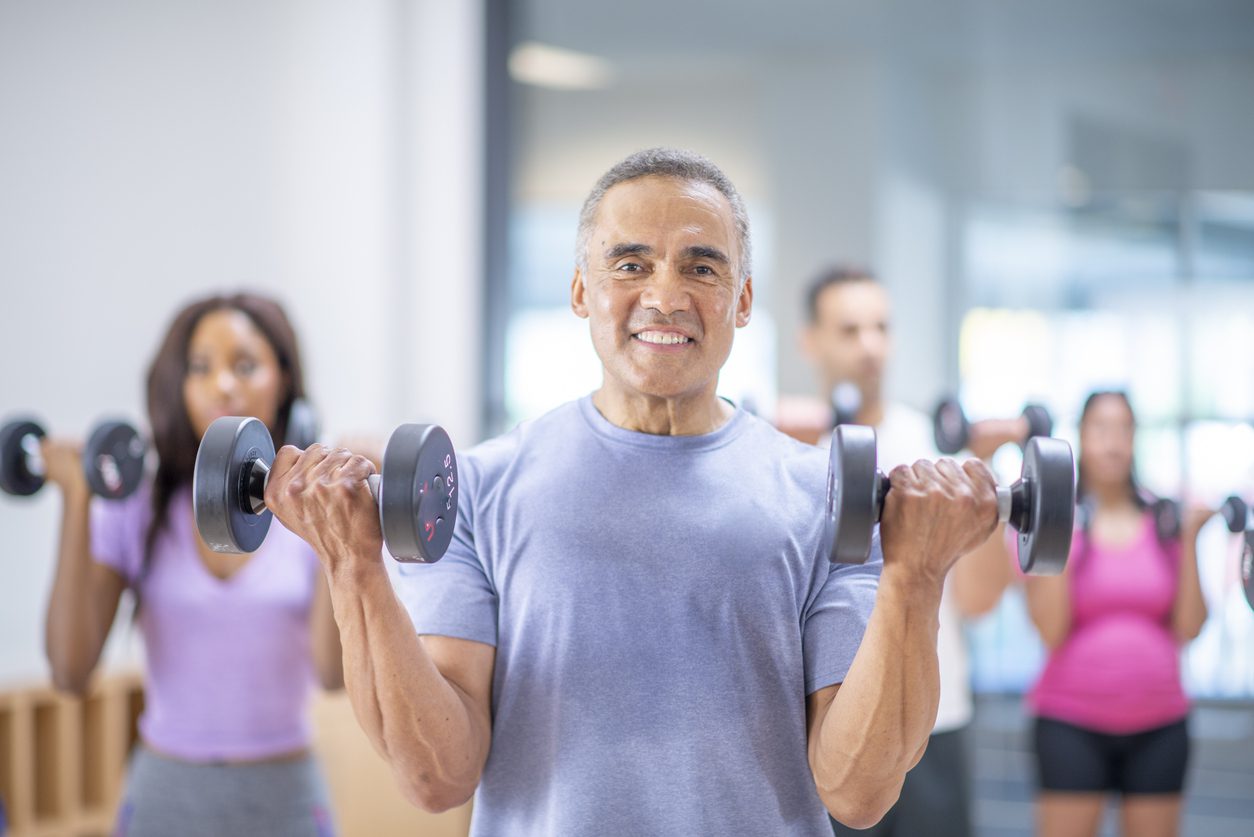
(872, 410)
(690, 415)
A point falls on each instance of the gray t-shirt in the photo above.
(660, 606)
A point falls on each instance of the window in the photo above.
(1114, 303)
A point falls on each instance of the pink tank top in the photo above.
(1118, 671)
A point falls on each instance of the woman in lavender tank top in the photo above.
(234, 644)
(1111, 713)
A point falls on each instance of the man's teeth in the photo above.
(664, 338)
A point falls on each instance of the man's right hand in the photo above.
(934, 514)
(321, 495)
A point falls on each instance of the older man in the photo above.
(635, 630)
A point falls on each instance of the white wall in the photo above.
(324, 153)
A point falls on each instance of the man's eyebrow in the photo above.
(628, 249)
(704, 252)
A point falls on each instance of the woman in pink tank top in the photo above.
(1110, 709)
(234, 644)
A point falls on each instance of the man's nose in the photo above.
(665, 292)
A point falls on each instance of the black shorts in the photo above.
(1071, 759)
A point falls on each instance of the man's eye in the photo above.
(703, 270)
(630, 267)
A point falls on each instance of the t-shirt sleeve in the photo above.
(833, 625)
(453, 597)
(117, 533)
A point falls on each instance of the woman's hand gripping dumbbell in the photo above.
(110, 464)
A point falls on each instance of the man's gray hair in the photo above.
(664, 162)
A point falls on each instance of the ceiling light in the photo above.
(560, 69)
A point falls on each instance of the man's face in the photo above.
(848, 341)
(661, 292)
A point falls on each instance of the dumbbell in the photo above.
(846, 401)
(953, 431)
(1167, 518)
(113, 458)
(1236, 514)
(1247, 566)
(1040, 506)
(416, 492)
(303, 427)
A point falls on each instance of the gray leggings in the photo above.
(165, 796)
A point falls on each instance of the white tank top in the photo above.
(904, 437)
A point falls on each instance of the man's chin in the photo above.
(667, 388)
(870, 385)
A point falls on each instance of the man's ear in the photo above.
(578, 295)
(744, 304)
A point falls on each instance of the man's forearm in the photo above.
(878, 723)
(417, 720)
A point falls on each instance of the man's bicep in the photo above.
(467, 666)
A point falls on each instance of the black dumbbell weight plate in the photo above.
(1049, 472)
(1235, 513)
(15, 476)
(851, 512)
(220, 486)
(1040, 423)
(1166, 519)
(950, 426)
(418, 493)
(113, 460)
(1247, 567)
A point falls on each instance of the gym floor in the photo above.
(1219, 795)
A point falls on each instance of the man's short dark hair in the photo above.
(836, 275)
(666, 162)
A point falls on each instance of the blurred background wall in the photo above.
(152, 152)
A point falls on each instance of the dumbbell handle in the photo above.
(1005, 497)
(1005, 503)
(259, 477)
(33, 453)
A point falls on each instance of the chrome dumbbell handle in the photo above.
(259, 477)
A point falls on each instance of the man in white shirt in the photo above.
(848, 339)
